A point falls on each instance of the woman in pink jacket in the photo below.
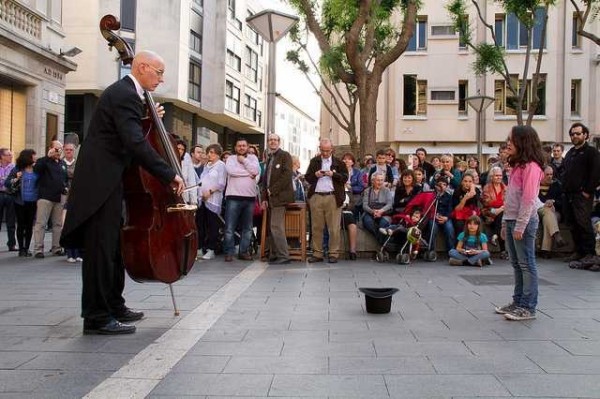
(520, 220)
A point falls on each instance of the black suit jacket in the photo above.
(114, 141)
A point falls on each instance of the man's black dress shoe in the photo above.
(332, 260)
(12, 249)
(129, 315)
(113, 327)
(314, 259)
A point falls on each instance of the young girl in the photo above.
(471, 249)
(520, 219)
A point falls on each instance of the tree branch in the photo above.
(353, 38)
(313, 24)
(408, 28)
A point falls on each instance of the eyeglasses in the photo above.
(273, 140)
(575, 134)
(159, 72)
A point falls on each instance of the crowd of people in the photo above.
(234, 188)
(476, 209)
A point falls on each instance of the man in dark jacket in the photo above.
(114, 141)
(52, 185)
(277, 191)
(327, 177)
(581, 176)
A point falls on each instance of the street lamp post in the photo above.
(271, 25)
(479, 103)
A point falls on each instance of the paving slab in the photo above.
(302, 330)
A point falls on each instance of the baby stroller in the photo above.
(427, 202)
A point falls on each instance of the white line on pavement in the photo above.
(138, 378)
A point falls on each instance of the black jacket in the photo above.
(581, 170)
(52, 178)
(115, 140)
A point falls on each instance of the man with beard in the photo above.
(581, 176)
(242, 169)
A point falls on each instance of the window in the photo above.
(231, 14)
(196, 25)
(463, 93)
(575, 97)
(512, 34)
(128, 15)
(442, 30)
(462, 40)
(418, 41)
(259, 76)
(250, 33)
(505, 103)
(499, 29)
(57, 11)
(199, 2)
(415, 96)
(126, 69)
(499, 96)
(443, 95)
(250, 107)
(251, 62)
(575, 38)
(232, 97)
(234, 60)
(195, 81)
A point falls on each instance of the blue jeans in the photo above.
(238, 213)
(483, 256)
(522, 258)
(448, 231)
(373, 225)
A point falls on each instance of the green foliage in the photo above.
(293, 56)
(460, 19)
(489, 59)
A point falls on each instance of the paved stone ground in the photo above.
(301, 330)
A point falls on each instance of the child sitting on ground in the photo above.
(471, 249)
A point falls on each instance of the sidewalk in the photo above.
(299, 330)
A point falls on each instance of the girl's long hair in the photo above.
(528, 147)
(472, 219)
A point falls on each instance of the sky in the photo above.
(291, 83)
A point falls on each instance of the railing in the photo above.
(20, 18)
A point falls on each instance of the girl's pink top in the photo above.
(520, 200)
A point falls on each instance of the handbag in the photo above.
(14, 188)
(257, 207)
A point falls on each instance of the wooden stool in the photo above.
(295, 228)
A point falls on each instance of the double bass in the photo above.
(159, 238)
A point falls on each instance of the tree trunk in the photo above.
(367, 100)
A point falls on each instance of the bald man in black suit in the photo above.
(114, 141)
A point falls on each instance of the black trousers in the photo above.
(102, 269)
(209, 226)
(25, 217)
(578, 213)
(7, 214)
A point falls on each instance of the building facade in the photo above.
(214, 88)
(299, 132)
(33, 73)
(422, 97)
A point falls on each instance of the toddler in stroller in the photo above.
(407, 230)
